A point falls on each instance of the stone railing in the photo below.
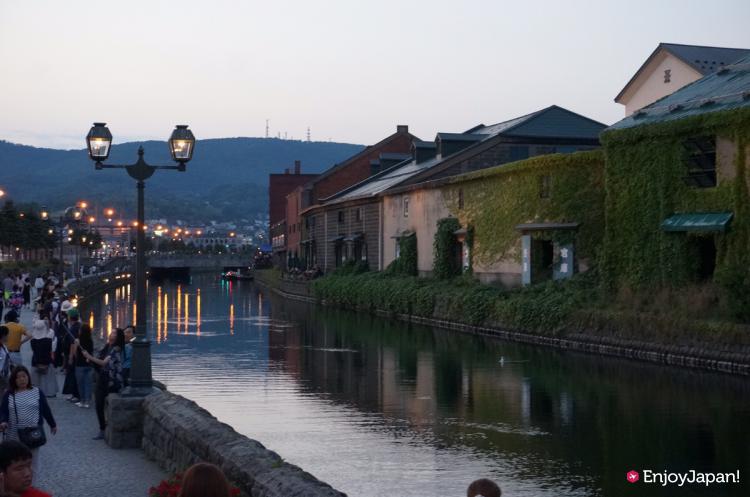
(177, 433)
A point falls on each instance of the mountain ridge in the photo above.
(58, 178)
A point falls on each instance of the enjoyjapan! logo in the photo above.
(691, 477)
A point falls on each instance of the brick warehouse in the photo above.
(279, 186)
(350, 225)
(301, 241)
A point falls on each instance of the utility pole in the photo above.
(308, 133)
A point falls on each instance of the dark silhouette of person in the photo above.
(483, 487)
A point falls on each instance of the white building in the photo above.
(670, 67)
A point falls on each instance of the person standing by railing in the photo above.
(109, 380)
(83, 367)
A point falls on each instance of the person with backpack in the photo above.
(109, 380)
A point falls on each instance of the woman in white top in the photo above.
(43, 343)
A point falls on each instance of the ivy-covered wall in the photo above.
(644, 184)
(494, 201)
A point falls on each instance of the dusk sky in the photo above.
(350, 70)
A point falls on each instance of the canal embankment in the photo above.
(174, 432)
(556, 314)
(177, 433)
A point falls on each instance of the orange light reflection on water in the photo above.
(166, 315)
(179, 308)
(91, 320)
(187, 307)
(231, 319)
(158, 315)
(198, 312)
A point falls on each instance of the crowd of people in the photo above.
(61, 345)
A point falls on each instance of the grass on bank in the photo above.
(691, 316)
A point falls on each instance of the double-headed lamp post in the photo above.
(181, 144)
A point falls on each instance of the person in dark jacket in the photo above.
(109, 380)
(70, 387)
(83, 367)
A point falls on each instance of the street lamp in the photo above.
(181, 146)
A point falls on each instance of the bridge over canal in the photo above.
(161, 263)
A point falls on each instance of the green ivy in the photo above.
(406, 263)
(498, 199)
(644, 186)
(445, 261)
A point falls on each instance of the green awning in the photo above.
(698, 221)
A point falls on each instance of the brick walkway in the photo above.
(74, 465)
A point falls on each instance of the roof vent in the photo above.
(707, 102)
(639, 114)
(675, 108)
(722, 71)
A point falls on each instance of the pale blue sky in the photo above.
(349, 69)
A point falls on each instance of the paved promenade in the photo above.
(74, 465)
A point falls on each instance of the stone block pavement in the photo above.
(74, 465)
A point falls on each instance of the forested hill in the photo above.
(57, 178)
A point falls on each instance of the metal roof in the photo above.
(703, 59)
(549, 122)
(728, 88)
(394, 156)
(422, 144)
(388, 178)
(706, 60)
(461, 137)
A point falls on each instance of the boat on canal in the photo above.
(236, 276)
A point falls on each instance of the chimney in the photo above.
(286, 171)
(422, 151)
(297, 166)
(402, 128)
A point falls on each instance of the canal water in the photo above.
(382, 408)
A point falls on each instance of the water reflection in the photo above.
(376, 407)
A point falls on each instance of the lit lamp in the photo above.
(99, 141)
(44, 214)
(181, 147)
